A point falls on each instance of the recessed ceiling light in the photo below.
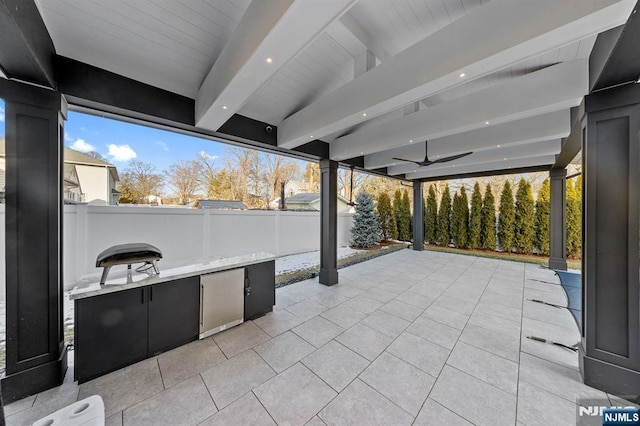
(311, 136)
(269, 60)
(497, 146)
(410, 140)
(462, 75)
(454, 165)
(437, 156)
(505, 158)
(361, 153)
(364, 114)
(486, 122)
(224, 107)
(393, 164)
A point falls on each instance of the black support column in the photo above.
(558, 220)
(36, 355)
(328, 222)
(610, 347)
(418, 222)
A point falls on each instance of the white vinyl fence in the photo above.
(183, 235)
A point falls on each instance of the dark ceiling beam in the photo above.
(80, 81)
(26, 49)
(542, 168)
(614, 59)
(572, 144)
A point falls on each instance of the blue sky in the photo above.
(121, 142)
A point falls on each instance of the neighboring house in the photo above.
(71, 186)
(97, 178)
(310, 201)
(291, 188)
(86, 179)
(220, 204)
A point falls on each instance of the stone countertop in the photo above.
(123, 281)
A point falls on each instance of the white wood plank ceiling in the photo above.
(494, 77)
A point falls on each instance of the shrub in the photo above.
(488, 221)
(543, 216)
(404, 224)
(366, 228)
(431, 217)
(506, 218)
(444, 218)
(524, 218)
(475, 218)
(386, 217)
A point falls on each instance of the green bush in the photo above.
(574, 217)
(460, 219)
(506, 219)
(475, 218)
(524, 218)
(431, 216)
(488, 221)
(543, 216)
(444, 218)
(366, 228)
(404, 224)
(386, 218)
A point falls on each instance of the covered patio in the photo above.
(520, 86)
(412, 337)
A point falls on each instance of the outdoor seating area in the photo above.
(412, 337)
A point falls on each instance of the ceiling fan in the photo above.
(428, 162)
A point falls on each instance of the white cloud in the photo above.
(121, 152)
(82, 146)
(209, 156)
(67, 137)
(1, 114)
(162, 145)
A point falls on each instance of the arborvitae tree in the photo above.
(506, 218)
(366, 228)
(431, 216)
(475, 218)
(460, 219)
(574, 217)
(543, 215)
(444, 218)
(404, 226)
(488, 221)
(455, 218)
(524, 219)
(386, 218)
(397, 208)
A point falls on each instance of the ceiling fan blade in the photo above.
(451, 158)
(408, 161)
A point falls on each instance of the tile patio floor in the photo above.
(418, 338)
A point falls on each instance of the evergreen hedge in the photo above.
(574, 217)
(506, 219)
(431, 216)
(444, 216)
(475, 215)
(387, 220)
(488, 221)
(404, 221)
(460, 219)
(524, 218)
(543, 216)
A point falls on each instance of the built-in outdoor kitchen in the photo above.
(134, 314)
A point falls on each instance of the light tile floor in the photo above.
(419, 338)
